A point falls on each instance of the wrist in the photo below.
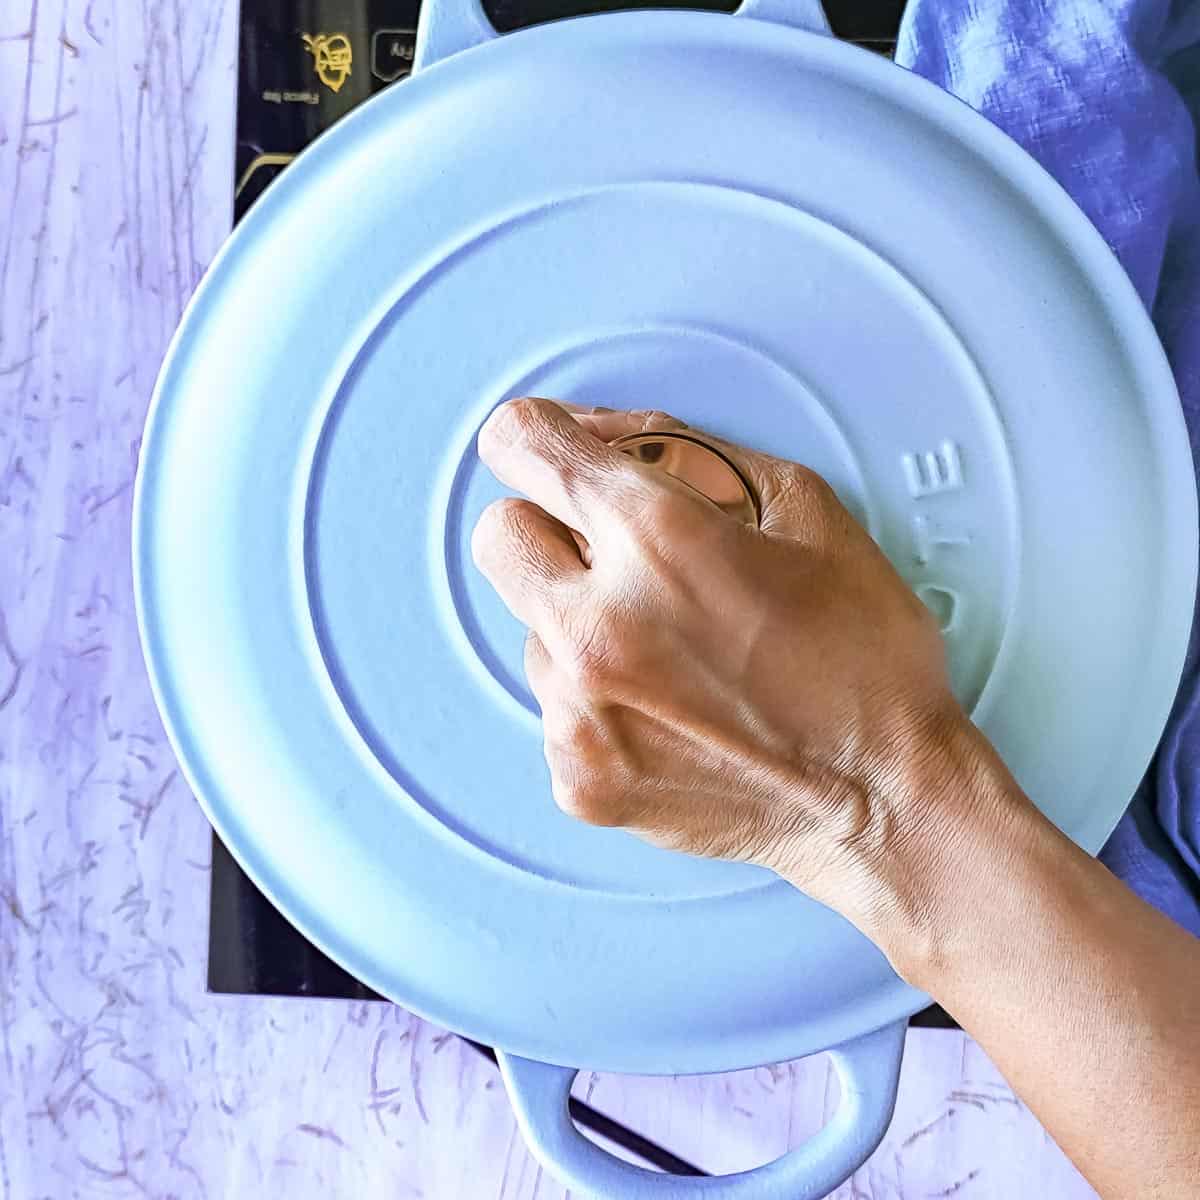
(945, 819)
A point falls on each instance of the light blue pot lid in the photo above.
(777, 237)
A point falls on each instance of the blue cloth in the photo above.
(1106, 95)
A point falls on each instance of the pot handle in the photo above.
(868, 1069)
(447, 26)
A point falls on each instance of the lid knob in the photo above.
(699, 465)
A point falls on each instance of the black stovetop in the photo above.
(303, 64)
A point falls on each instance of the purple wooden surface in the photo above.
(121, 1077)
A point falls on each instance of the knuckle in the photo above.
(513, 423)
(585, 796)
(808, 499)
(498, 526)
(512, 516)
(570, 735)
(525, 415)
(527, 426)
(803, 482)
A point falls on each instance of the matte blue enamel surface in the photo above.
(778, 237)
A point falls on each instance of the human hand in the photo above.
(775, 695)
(779, 696)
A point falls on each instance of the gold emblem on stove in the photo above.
(332, 57)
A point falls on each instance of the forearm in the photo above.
(1086, 998)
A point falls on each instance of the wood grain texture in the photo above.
(121, 1077)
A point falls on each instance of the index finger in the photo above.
(536, 448)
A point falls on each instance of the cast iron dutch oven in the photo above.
(782, 239)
